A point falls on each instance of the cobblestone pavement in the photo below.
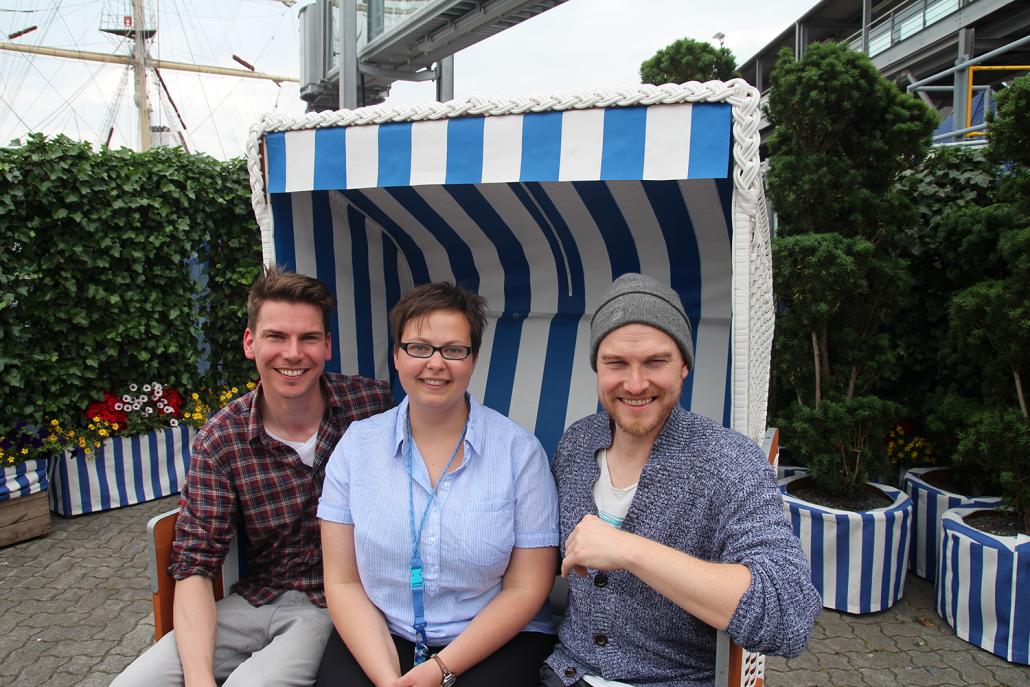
(75, 610)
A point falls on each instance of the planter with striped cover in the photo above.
(983, 586)
(124, 471)
(23, 509)
(928, 504)
(858, 559)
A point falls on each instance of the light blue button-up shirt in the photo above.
(501, 496)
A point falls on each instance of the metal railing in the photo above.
(904, 22)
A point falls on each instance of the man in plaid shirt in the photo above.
(257, 469)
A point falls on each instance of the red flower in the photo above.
(105, 410)
(173, 399)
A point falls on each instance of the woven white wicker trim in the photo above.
(742, 96)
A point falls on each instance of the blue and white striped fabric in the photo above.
(928, 504)
(789, 471)
(124, 471)
(29, 477)
(537, 212)
(983, 587)
(858, 559)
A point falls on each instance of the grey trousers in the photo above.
(277, 644)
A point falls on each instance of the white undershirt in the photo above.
(612, 506)
(305, 449)
(612, 503)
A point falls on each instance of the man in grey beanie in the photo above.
(671, 525)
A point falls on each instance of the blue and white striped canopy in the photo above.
(538, 212)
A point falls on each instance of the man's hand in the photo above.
(427, 674)
(595, 544)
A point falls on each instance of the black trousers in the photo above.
(516, 664)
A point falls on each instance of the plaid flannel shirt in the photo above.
(241, 479)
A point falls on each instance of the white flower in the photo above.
(133, 387)
(142, 398)
(148, 411)
(146, 387)
(117, 406)
(127, 398)
(135, 406)
(173, 422)
(169, 409)
(157, 392)
(157, 386)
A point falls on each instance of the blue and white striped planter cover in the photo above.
(983, 587)
(928, 503)
(789, 471)
(124, 471)
(858, 559)
(23, 479)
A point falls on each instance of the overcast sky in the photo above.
(579, 45)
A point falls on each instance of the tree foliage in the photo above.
(1010, 128)
(99, 258)
(843, 135)
(689, 60)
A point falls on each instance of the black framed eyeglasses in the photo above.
(417, 349)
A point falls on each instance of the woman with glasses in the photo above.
(439, 522)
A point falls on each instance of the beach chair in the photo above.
(160, 532)
(537, 204)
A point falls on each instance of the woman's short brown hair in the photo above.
(276, 284)
(441, 295)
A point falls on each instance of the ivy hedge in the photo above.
(118, 267)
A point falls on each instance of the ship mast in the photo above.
(140, 61)
(139, 67)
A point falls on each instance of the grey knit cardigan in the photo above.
(706, 491)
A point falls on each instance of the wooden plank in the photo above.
(24, 518)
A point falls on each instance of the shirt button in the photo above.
(601, 579)
(570, 672)
(601, 639)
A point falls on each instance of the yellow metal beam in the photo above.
(160, 64)
(969, 87)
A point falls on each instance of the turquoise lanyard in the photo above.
(415, 570)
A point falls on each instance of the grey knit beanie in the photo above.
(639, 299)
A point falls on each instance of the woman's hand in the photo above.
(427, 674)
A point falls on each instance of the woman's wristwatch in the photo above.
(448, 678)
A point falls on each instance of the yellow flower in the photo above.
(25, 452)
(82, 442)
(104, 432)
(115, 426)
(92, 426)
(88, 451)
(251, 386)
(195, 396)
(96, 418)
(54, 423)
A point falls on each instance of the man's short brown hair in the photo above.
(276, 284)
(441, 295)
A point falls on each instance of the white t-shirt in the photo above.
(305, 449)
(612, 504)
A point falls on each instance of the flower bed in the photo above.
(983, 586)
(123, 471)
(928, 504)
(858, 559)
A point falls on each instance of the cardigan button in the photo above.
(601, 579)
(570, 672)
(601, 639)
